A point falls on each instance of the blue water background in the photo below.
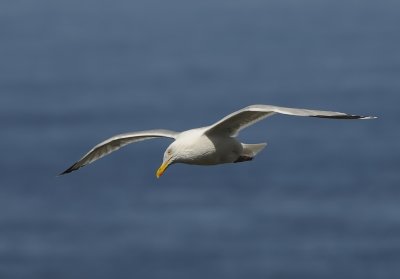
(321, 201)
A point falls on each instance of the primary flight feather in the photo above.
(211, 145)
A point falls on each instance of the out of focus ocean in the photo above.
(321, 201)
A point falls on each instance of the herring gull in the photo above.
(211, 145)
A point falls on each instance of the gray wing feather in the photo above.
(233, 123)
(116, 142)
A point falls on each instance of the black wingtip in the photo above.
(64, 172)
(346, 116)
(70, 169)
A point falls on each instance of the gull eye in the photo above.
(169, 151)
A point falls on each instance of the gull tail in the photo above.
(250, 151)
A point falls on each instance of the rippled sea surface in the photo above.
(321, 201)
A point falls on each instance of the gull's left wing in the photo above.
(116, 142)
(233, 123)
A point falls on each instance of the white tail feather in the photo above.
(251, 150)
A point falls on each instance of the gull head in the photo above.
(189, 148)
(171, 155)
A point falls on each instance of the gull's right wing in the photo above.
(238, 120)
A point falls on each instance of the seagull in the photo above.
(211, 145)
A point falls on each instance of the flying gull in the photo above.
(211, 145)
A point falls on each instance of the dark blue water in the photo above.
(322, 201)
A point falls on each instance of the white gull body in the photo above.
(211, 145)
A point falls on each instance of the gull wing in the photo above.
(233, 123)
(116, 142)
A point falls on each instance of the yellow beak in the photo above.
(162, 168)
